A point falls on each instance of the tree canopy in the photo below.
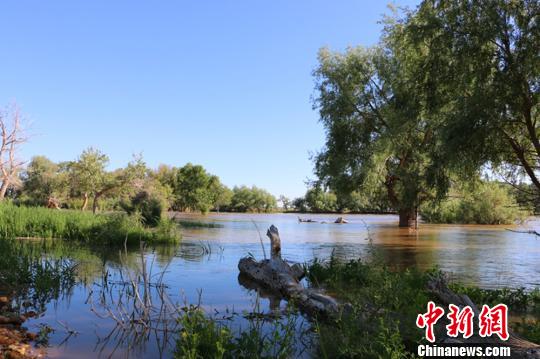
(378, 130)
(483, 64)
(451, 88)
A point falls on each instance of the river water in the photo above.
(204, 268)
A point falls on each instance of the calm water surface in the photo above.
(204, 266)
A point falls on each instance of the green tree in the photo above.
(221, 194)
(150, 205)
(254, 199)
(285, 203)
(482, 69)
(88, 177)
(87, 174)
(376, 202)
(300, 205)
(41, 181)
(123, 182)
(317, 200)
(192, 188)
(378, 134)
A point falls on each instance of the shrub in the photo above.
(487, 203)
(151, 207)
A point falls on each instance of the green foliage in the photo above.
(518, 300)
(87, 174)
(385, 303)
(203, 337)
(193, 188)
(80, 226)
(221, 195)
(318, 200)
(285, 203)
(527, 197)
(377, 135)
(485, 203)
(372, 329)
(528, 329)
(481, 69)
(188, 188)
(375, 202)
(42, 180)
(74, 183)
(150, 206)
(254, 199)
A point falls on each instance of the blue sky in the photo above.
(225, 84)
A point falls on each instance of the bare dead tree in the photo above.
(12, 135)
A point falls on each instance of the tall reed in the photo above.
(112, 228)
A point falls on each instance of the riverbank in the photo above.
(15, 341)
(108, 228)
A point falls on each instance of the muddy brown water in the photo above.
(204, 266)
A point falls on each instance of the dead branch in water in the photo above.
(524, 232)
(139, 305)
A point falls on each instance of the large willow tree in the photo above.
(378, 132)
(484, 66)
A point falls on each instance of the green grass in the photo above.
(203, 337)
(385, 303)
(112, 228)
(523, 305)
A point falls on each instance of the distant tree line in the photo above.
(85, 183)
(318, 200)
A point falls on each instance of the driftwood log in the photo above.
(520, 347)
(281, 280)
(278, 276)
(306, 220)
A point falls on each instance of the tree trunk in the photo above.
(3, 189)
(85, 202)
(95, 203)
(407, 218)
